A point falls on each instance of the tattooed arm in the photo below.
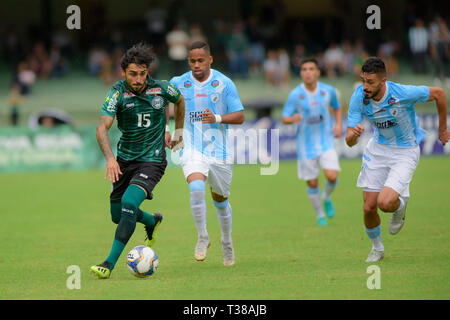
(112, 167)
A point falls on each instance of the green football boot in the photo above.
(150, 238)
(102, 271)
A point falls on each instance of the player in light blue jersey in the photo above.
(308, 106)
(212, 103)
(392, 154)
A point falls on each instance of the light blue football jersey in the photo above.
(219, 94)
(314, 135)
(393, 117)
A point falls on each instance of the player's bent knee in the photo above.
(221, 205)
(197, 185)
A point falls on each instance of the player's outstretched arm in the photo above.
(353, 133)
(438, 94)
(112, 167)
(237, 117)
(179, 110)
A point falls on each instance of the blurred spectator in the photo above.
(57, 62)
(24, 78)
(349, 56)
(440, 51)
(257, 50)
(40, 61)
(297, 58)
(360, 56)
(196, 34)
(237, 51)
(387, 52)
(48, 122)
(12, 48)
(15, 100)
(276, 68)
(418, 43)
(156, 25)
(177, 41)
(97, 59)
(334, 61)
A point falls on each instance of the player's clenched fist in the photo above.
(353, 133)
(357, 131)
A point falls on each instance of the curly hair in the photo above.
(139, 54)
(374, 65)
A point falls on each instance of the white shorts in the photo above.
(308, 169)
(385, 166)
(218, 173)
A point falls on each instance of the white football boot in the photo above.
(375, 255)
(398, 219)
(200, 249)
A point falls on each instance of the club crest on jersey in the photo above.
(366, 101)
(215, 97)
(187, 84)
(157, 102)
(394, 112)
(215, 83)
(392, 100)
(302, 97)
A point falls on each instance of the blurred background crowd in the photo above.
(255, 39)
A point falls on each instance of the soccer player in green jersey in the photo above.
(140, 105)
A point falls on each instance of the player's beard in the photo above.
(372, 94)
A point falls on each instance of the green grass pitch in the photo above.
(52, 220)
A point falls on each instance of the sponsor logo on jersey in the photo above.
(143, 175)
(314, 119)
(157, 102)
(199, 95)
(215, 83)
(153, 91)
(127, 95)
(385, 125)
(112, 102)
(380, 111)
(171, 91)
(194, 116)
(187, 84)
(129, 105)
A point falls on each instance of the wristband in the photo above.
(167, 128)
(218, 118)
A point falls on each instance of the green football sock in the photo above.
(115, 252)
(131, 200)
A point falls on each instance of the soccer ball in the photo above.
(142, 261)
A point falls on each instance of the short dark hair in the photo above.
(139, 54)
(309, 59)
(374, 65)
(200, 45)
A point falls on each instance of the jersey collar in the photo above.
(201, 84)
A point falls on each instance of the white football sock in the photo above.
(225, 217)
(198, 209)
(329, 188)
(314, 196)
